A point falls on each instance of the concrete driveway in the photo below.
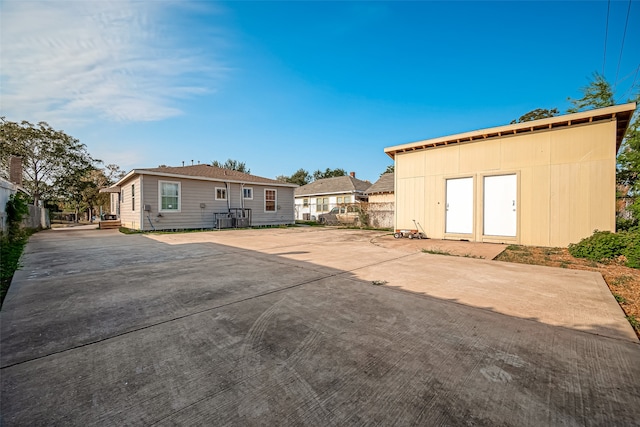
(305, 326)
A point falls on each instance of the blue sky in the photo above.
(298, 84)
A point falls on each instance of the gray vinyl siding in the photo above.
(129, 217)
(284, 213)
(193, 193)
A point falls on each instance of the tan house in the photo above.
(324, 194)
(547, 182)
(199, 196)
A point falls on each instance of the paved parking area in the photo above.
(305, 326)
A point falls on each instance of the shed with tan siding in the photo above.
(547, 182)
(189, 197)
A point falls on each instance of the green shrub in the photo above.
(624, 224)
(600, 246)
(16, 209)
(631, 250)
(607, 246)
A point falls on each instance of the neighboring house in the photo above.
(199, 196)
(38, 217)
(381, 206)
(547, 182)
(324, 194)
(382, 191)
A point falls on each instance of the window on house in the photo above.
(247, 193)
(221, 193)
(305, 202)
(270, 200)
(133, 197)
(322, 204)
(347, 199)
(169, 196)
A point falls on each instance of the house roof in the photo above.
(384, 184)
(621, 113)
(205, 173)
(335, 185)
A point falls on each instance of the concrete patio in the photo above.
(305, 326)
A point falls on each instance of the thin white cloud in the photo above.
(124, 60)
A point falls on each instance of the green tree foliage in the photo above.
(73, 187)
(232, 165)
(597, 94)
(80, 191)
(628, 168)
(47, 155)
(300, 177)
(538, 113)
(113, 173)
(389, 169)
(328, 173)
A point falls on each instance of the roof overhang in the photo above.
(620, 113)
(112, 189)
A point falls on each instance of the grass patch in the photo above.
(437, 252)
(620, 299)
(518, 254)
(125, 230)
(10, 252)
(309, 223)
(621, 280)
(635, 324)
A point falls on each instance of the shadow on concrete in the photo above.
(103, 328)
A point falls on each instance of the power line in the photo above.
(633, 84)
(624, 34)
(606, 34)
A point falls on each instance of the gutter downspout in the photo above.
(242, 197)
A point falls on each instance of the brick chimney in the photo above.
(352, 174)
(15, 170)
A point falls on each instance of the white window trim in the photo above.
(215, 194)
(160, 196)
(247, 188)
(265, 200)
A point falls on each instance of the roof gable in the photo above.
(385, 184)
(207, 173)
(335, 185)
